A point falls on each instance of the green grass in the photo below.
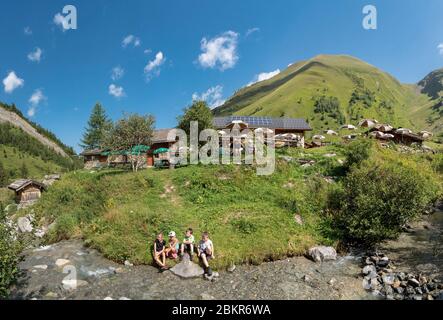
(250, 218)
(291, 93)
(6, 196)
(13, 160)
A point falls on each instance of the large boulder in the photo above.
(187, 269)
(24, 225)
(322, 253)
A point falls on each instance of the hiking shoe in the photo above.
(209, 271)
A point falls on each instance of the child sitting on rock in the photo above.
(159, 251)
(206, 252)
(173, 246)
(188, 243)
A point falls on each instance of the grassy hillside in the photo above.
(44, 132)
(329, 90)
(22, 155)
(16, 161)
(251, 218)
(431, 113)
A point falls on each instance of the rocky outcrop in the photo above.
(15, 120)
(321, 253)
(187, 269)
(381, 279)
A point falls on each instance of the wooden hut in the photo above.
(94, 158)
(27, 190)
(160, 143)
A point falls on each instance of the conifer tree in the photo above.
(95, 131)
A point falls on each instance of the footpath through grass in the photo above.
(250, 218)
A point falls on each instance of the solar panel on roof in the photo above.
(265, 122)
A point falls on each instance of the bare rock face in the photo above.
(321, 253)
(187, 269)
(24, 224)
(15, 120)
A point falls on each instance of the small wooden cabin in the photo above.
(159, 141)
(94, 158)
(27, 190)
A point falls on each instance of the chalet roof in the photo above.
(264, 122)
(161, 136)
(92, 152)
(412, 136)
(23, 183)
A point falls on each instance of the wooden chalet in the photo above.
(280, 126)
(100, 157)
(398, 136)
(94, 158)
(27, 190)
(408, 138)
(160, 143)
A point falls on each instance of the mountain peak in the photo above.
(327, 90)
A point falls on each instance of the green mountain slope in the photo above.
(28, 150)
(329, 90)
(430, 114)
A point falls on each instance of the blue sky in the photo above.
(185, 48)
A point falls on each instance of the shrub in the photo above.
(244, 226)
(9, 256)
(356, 152)
(65, 226)
(437, 163)
(380, 197)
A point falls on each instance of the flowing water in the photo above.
(418, 250)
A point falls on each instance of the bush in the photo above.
(66, 226)
(380, 197)
(9, 256)
(357, 151)
(437, 163)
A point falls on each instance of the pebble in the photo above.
(205, 296)
(378, 269)
(61, 262)
(128, 264)
(41, 267)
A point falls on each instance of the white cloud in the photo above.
(31, 111)
(131, 39)
(264, 76)
(153, 66)
(37, 97)
(27, 31)
(147, 51)
(36, 55)
(117, 73)
(116, 91)
(251, 31)
(440, 48)
(59, 21)
(213, 96)
(219, 52)
(12, 82)
(35, 100)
